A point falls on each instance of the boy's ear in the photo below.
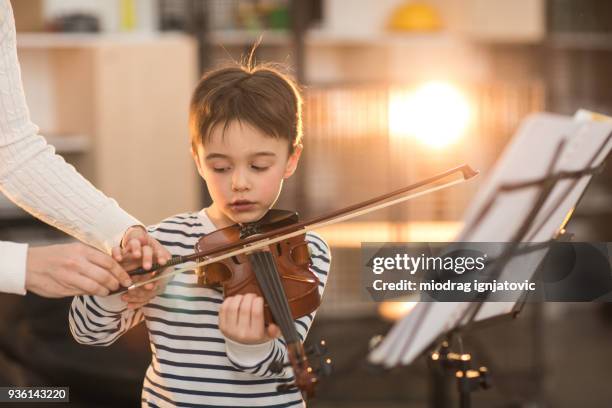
(292, 162)
(196, 159)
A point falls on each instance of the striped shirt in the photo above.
(192, 364)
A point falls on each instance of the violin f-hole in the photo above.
(214, 274)
(300, 254)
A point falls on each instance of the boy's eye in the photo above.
(259, 168)
(220, 169)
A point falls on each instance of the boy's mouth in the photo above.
(242, 205)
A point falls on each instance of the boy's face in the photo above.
(244, 170)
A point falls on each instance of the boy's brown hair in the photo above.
(261, 96)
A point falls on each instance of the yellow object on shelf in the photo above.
(128, 15)
(415, 17)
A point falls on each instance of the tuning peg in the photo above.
(325, 369)
(485, 378)
(318, 349)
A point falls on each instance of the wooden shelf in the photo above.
(47, 40)
(580, 41)
(246, 38)
(326, 38)
(329, 38)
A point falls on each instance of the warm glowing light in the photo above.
(350, 234)
(436, 114)
(392, 311)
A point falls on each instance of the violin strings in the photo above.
(274, 277)
(273, 301)
(268, 273)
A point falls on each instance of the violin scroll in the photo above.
(306, 377)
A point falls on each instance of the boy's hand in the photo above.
(137, 249)
(241, 319)
(140, 296)
(142, 245)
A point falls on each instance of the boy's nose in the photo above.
(240, 182)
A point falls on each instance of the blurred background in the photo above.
(394, 90)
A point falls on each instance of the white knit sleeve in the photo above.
(37, 179)
(13, 260)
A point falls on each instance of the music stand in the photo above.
(563, 154)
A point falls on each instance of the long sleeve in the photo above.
(99, 321)
(256, 359)
(13, 258)
(37, 179)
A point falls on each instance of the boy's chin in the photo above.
(245, 217)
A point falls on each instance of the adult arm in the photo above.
(37, 179)
(58, 270)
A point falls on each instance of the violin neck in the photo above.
(272, 289)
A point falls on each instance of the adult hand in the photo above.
(241, 319)
(72, 269)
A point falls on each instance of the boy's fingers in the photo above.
(125, 251)
(135, 305)
(139, 296)
(134, 299)
(257, 313)
(134, 247)
(222, 316)
(145, 291)
(244, 314)
(147, 257)
(273, 331)
(233, 305)
(161, 253)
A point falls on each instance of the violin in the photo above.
(280, 274)
(270, 258)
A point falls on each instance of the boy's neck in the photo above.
(218, 219)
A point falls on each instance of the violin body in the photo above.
(291, 257)
(280, 273)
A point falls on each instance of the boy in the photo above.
(207, 351)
